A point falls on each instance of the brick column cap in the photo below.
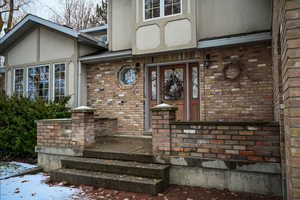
(83, 109)
(164, 107)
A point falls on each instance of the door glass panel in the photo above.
(153, 85)
(195, 83)
(173, 84)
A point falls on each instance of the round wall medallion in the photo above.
(128, 75)
(232, 71)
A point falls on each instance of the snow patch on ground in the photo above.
(13, 168)
(33, 187)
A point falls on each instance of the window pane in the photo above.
(156, 12)
(19, 82)
(59, 90)
(153, 85)
(152, 9)
(172, 7)
(176, 8)
(195, 83)
(148, 4)
(38, 82)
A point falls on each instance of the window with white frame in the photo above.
(19, 82)
(59, 81)
(161, 8)
(38, 82)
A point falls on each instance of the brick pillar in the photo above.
(162, 115)
(83, 127)
(287, 20)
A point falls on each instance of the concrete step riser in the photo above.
(109, 184)
(119, 156)
(127, 170)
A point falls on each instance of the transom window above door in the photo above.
(161, 8)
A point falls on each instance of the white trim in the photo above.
(53, 78)
(235, 40)
(162, 11)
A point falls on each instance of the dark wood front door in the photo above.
(173, 88)
(176, 85)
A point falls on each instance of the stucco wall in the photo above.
(121, 27)
(25, 50)
(164, 33)
(54, 45)
(217, 18)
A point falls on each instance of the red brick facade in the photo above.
(248, 98)
(214, 140)
(286, 52)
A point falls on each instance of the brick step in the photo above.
(109, 180)
(118, 167)
(142, 158)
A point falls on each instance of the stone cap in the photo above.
(164, 107)
(83, 109)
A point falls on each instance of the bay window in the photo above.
(161, 8)
(38, 82)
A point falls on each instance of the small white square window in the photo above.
(161, 8)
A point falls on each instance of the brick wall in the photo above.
(226, 141)
(113, 100)
(105, 127)
(249, 98)
(54, 133)
(286, 22)
(236, 141)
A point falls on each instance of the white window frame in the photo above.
(162, 11)
(24, 81)
(53, 79)
(27, 79)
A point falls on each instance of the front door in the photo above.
(173, 88)
(176, 85)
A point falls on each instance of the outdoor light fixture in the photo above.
(207, 61)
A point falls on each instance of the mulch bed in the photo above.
(173, 193)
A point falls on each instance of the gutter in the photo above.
(107, 56)
(255, 37)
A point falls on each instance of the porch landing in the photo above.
(126, 144)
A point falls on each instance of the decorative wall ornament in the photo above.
(232, 71)
(174, 84)
(128, 75)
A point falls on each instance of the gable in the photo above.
(54, 45)
(29, 43)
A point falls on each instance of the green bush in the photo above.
(17, 123)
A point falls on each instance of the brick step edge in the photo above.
(108, 180)
(142, 158)
(118, 167)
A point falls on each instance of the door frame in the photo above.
(146, 88)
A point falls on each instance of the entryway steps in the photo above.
(117, 167)
(144, 158)
(109, 180)
(121, 172)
